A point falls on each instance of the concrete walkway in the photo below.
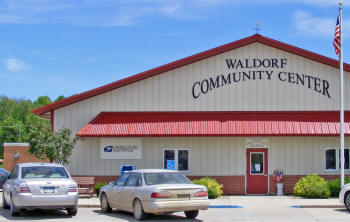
(251, 202)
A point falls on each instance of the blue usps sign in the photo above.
(170, 164)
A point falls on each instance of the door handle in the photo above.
(265, 175)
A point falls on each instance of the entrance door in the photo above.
(257, 178)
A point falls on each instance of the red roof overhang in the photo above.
(188, 60)
(148, 124)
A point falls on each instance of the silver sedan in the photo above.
(154, 191)
(344, 196)
(40, 185)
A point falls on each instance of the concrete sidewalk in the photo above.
(250, 202)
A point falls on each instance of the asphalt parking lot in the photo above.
(244, 208)
(233, 214)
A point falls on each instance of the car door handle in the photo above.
(265, 175)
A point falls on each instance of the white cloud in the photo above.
(124, 12)
(317, 26)
(313, 25)
(15, 65)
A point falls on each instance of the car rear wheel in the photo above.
(347, 201)
(105, 208)
(5, 205)
(14, 211)
(72, 211)
(139, 214)
(191, 214)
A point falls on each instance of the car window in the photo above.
(165, 178)
(14, 173)
(38, 172)
(133, 180)
(121, 180)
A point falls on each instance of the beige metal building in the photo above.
(236, 113)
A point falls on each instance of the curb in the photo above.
(297, 206)
(322, 206)
(89, 206)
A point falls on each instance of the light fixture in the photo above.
(15, 155)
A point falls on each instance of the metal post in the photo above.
(342, 162)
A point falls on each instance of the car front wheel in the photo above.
(347, 201)
(139, 214)
(191, 214)
(105, 208)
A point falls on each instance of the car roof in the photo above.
(39, 164)
(153, 171)
(4, 171)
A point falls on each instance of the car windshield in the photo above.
(165, 178)
(37, 172)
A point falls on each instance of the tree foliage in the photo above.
(56, 146)
(16, 120)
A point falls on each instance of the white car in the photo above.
(154, 191)
(40, 185)
(344, 196)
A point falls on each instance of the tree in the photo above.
(42, 101)
(56, 146)
(59, 98)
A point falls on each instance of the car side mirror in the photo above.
(112, 183)
(8, 177)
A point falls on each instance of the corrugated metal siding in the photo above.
(171, 91)
(212, 156)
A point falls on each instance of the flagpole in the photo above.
(341, 97)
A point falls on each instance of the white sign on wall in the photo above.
(257, 143)
(121, 148)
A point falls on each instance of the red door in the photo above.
(257, 177)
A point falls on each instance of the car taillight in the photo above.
(73, 189)
(23, 188)
(161, 195)
(202, 193)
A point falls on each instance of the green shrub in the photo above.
(214, 189)
(334, 186)
(312, 186)
(98, 187)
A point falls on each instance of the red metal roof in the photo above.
(188, 60)
(141, 124)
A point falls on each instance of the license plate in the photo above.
(183, 196)
(48, 189)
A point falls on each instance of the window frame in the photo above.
(176, 150)
(337, 159)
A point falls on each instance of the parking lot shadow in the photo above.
(36, 215)
(342, 210)
(151, 217)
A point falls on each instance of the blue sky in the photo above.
(64, 47)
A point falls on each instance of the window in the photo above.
(332, 159)
(133, 180)
(38, 172)
(256, 163)
(121, 180)
(176, 159)
(165, 178)
(14, 173)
